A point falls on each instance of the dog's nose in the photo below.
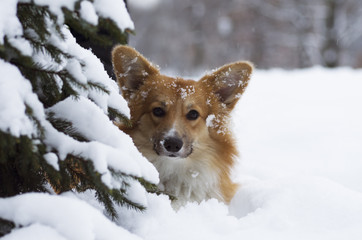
(173, 144)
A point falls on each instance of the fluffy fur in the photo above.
(181, 126)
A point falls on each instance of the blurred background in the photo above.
(192, 35)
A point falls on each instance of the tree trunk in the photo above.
(331, 48)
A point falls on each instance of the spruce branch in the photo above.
(65, 126)
(54, 52)
(5, 227)
(37, 124)
(98, 86)
(36, 18)
(117, 116)
(20, 168)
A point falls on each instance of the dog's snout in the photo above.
(173, 144)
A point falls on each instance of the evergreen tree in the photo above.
(43, 51)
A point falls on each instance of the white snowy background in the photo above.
(299, 134)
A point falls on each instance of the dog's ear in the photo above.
(229, 82)
(131, 69)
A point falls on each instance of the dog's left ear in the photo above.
(131, 69)
(229, 82)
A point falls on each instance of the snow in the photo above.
(94, 72)
(9, 23)
(22, 45)
(60, 217)
(56, 7)
(75, 69)
(108, 147)
(313, 207)
(116, 10)
(52, 159)
(15, 97)
(308, 123)
(209, 120)
(103, 156)
(88, 13)
(35, 231)
(185, 92)
(299, 133)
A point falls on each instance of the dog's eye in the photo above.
(158, 112)
(192, 115)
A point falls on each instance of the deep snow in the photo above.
(300, 138)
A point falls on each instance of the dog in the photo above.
(181, 126)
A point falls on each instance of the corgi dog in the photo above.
(181, 126)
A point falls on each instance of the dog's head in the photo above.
(174, 117)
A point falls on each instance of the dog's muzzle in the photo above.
(173, 144)
(172, 147)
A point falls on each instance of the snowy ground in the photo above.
(300, 138)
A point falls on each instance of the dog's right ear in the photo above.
(131, 69)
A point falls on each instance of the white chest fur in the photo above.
(187, 179)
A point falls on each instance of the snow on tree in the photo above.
(57, 102)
